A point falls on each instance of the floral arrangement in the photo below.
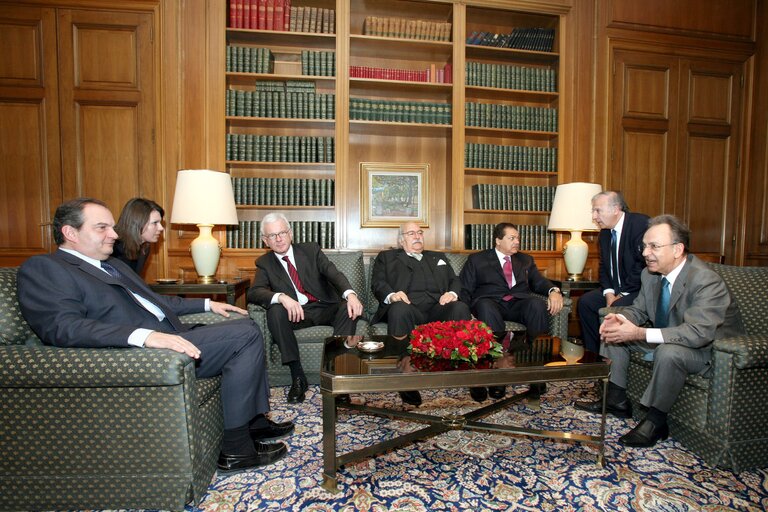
(459, 341)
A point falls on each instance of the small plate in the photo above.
(370, 346)
(167, 281)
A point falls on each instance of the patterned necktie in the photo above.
(112, 270)
(509, 277)
(662, 308)
(296, 281)
(614, 262)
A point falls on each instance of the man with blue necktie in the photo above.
(682, 307)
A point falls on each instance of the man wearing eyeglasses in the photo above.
(621, 262)
(414, 287)
(299, 287)
(497, 284)
(683, 305)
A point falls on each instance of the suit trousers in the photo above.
(531, 312)
(588, 308)
(401, 317)
(671, 366)
(234, 350)
(315, 313)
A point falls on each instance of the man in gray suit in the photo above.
(688, 306)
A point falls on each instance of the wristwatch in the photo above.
(555, 289)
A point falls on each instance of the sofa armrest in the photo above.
(54, 367)
(748, 351)
(558, 324)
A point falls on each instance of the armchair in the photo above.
(101, 428)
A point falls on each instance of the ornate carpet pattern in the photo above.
(459, 471)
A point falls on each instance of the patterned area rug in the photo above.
(459, 470)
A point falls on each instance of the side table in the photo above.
(232, 287)
(573, 289)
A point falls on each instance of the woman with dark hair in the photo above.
(140, 224)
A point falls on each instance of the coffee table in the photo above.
(346, 369)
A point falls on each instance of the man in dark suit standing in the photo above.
(414, 287)
(497, 284)
(688, 305)
(621, 262)
(80, 296)
(299, 287)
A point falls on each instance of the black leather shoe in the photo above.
(620, 410)
(479, 394)
(265, 454)
(343, 399)
(497, 392)
(298, 389)
(411, 397)
(645, 434)
(272, 432)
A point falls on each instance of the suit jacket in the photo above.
(393, 272)
(318, 275)
(70, 303)
(700, 307)
(483, 277)
(630, 259)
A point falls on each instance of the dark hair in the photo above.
(133, 218)
(680, 232)
(615, 197)
(498, 231)
(71, 214)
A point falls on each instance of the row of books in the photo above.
(284, 191)
(519, 198)
(511, 117)
(366, 109)
(285, 105)
(406, 28)
(504, 76)
(280, 15)
(534, 39)
(285, 86)
(433, 74)
(533, 237)
(318, 63)
(279, 148)
(513, 158)
(249, 59)
(247, 234)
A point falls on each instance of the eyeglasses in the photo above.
(512, 238)
(273, 236)
(654, 247)
(413, 233)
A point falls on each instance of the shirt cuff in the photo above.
(388, 298)
(653, 336)
(275, 298)
(207, 304)
(139, 336)
(453, 293)
(609, 290)
(347, 292)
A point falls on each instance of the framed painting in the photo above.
(391, 194)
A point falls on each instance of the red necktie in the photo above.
(508, 275)
(295, 278)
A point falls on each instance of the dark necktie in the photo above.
(662, 308)
(112, 271)
(614, 262)
(296, 281)
(508, 276)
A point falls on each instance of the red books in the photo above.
(270, 15)
(254, 13)
(233, 13)
(238, 13)
(279, 21)
(287, 15)
(262, 15)
(246, 14)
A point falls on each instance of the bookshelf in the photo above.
(411, 86)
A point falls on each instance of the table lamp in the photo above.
(572, 211)
(205, 198)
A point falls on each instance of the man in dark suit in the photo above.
(497, 284)
(621, 262)
(299, 287)
(688, 305)
(80, 296)
(413, 287)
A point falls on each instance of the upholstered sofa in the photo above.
(722, 417)
(359, 274)
(101, 428)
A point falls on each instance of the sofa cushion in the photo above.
(747, 287)
(14, 330)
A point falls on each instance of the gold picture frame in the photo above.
(391, 194)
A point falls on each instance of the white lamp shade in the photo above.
(572, 207)
(203, 197)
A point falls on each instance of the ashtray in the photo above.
(370, 346)
(167, 281)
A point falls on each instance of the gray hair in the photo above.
(615, 198)
(681, 233)
(274, 217)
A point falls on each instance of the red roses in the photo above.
(461, 340)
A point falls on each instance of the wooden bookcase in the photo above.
(441, 145)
